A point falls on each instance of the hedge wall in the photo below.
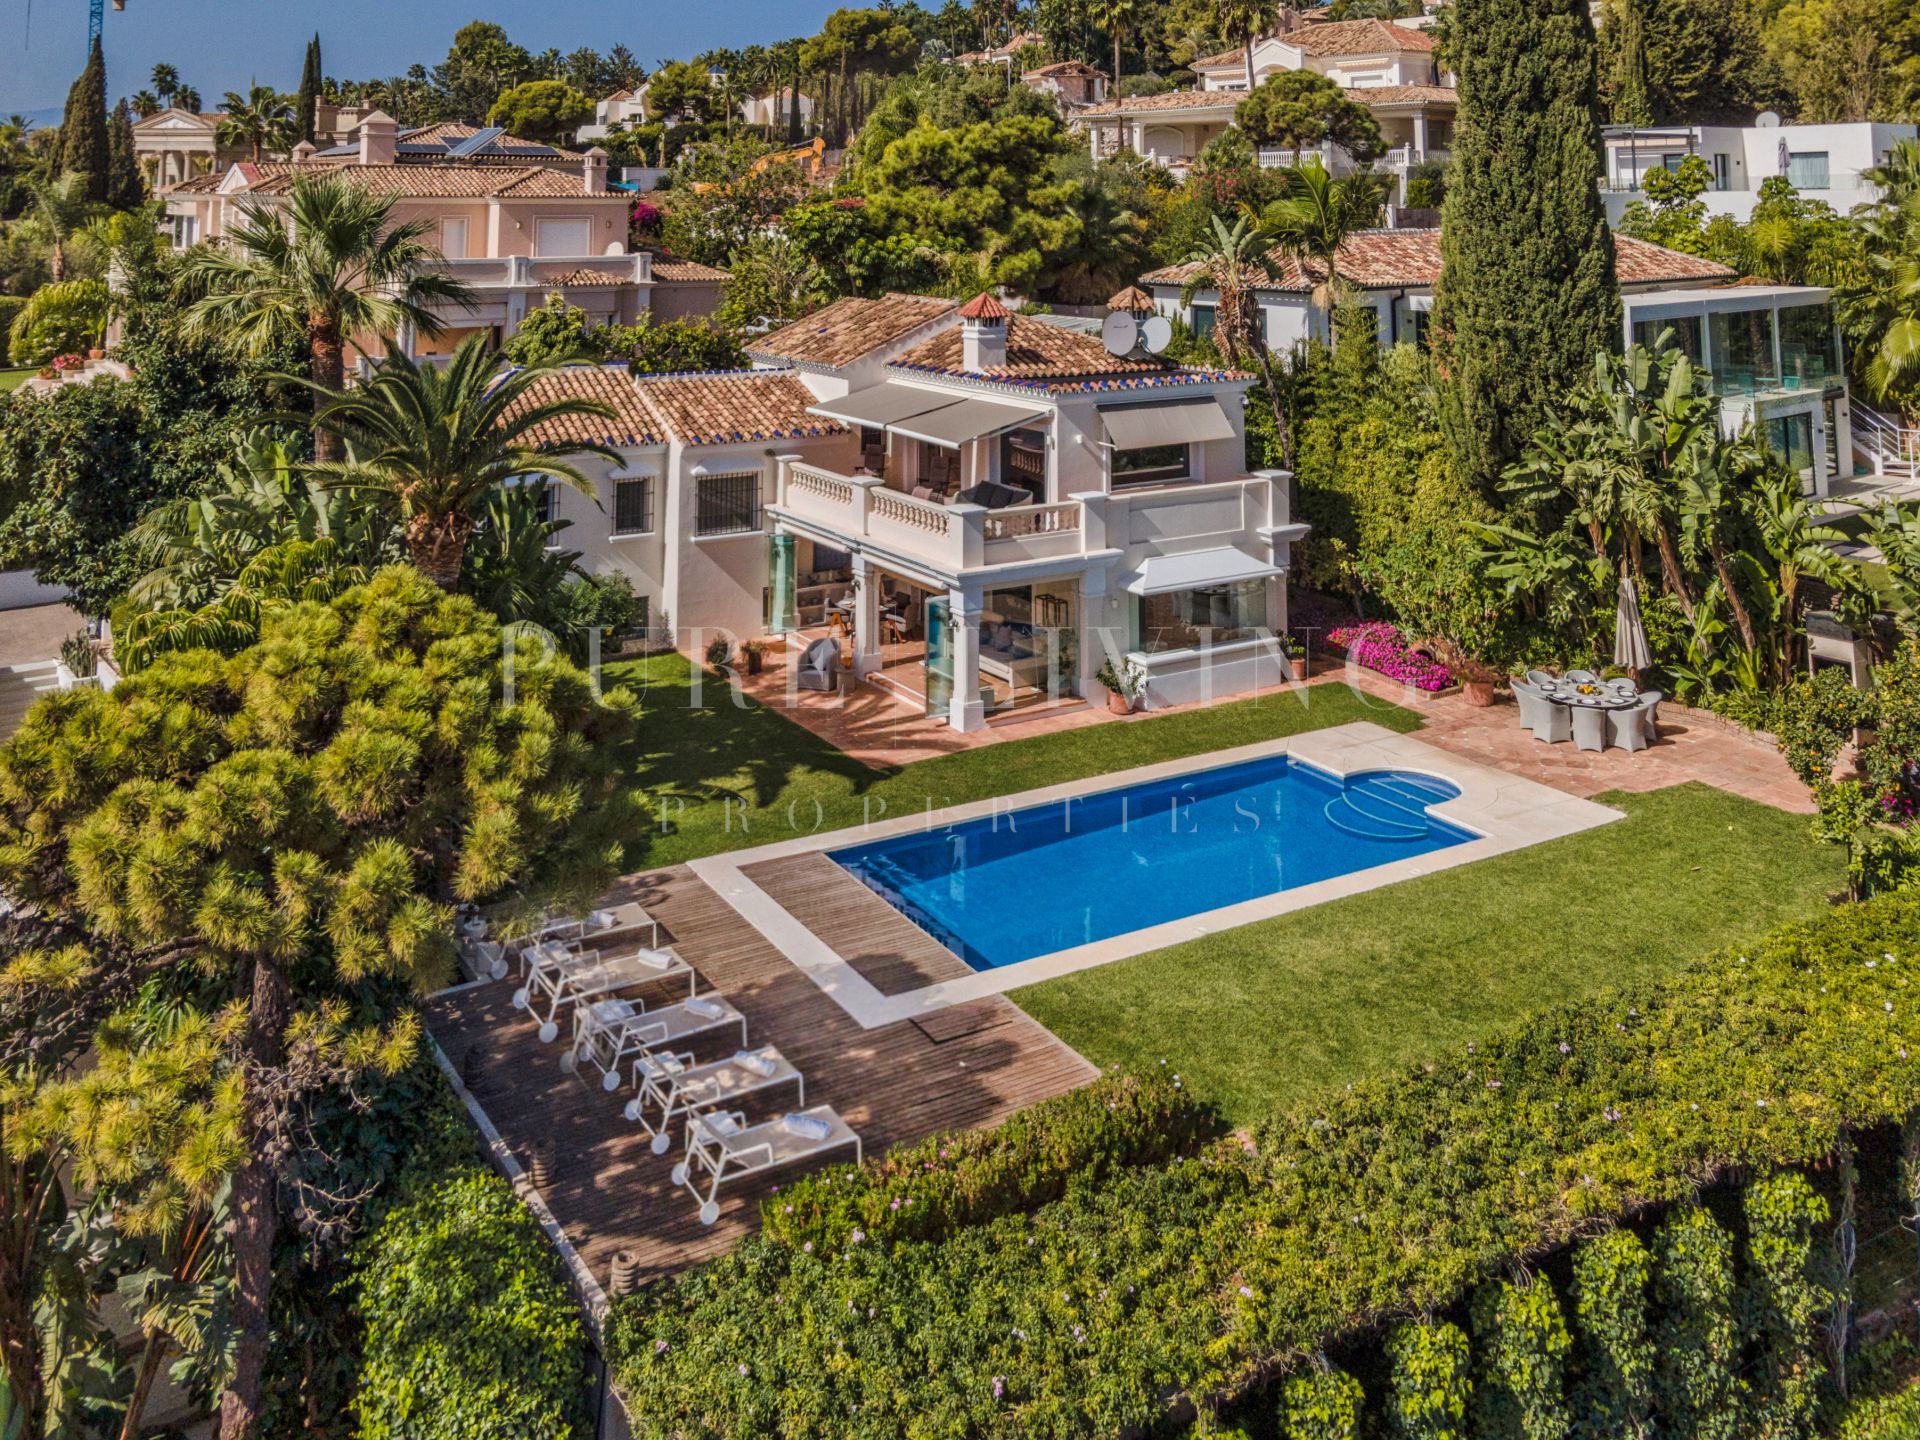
(471, 1330)
(1107, 1310)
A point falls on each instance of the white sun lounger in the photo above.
(585, 978)
(609, 1032)
(722, 1147)
(672, 1085)
(596, 927)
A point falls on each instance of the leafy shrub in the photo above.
(1611, 1275)
(1784, 1303)
(926, 1191)
(1195, 1279)
(1322, 1404)
(1432, 1381)
(1521, 1343)
(471, 1329)
(1696, 1376)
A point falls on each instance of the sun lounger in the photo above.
(672, 1085)
(609, 1032)
(585, 978)
(595, 928)
(723, 1148)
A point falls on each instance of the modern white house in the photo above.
(1773, 350)
(1389, 65)
(1823, 162)
(775, 108)
(984, 507)
(623, 107)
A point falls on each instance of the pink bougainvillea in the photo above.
(1380, 646)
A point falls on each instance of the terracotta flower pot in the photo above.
(1478, 692)
(753, 661)
(1301, 666)
(96, 354)
(1118, 703)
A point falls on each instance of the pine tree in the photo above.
(1527, 290)
(125, 188)
(306, 100)
(83, 129)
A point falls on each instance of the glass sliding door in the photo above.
(782, 615)
(939, 657)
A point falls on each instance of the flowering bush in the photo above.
(1380, 646)
(926, 1191)
(69, 362)
(645, 217)
(1198, 1280)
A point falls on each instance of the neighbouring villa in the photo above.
(986, 505)
(516, 227)
(1388, 65)
(1822, 162)
(1773, 349)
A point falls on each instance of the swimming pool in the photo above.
(1005, 888)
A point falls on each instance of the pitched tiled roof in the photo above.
(984, 307)
(427, 182)
(1371, 95)
(1334, 37)
(847, 329)
(715, 408)
(1052, 357)
(1065, 67)
(1387, 259)
(687, 271)
(603, 278)
(1168, 100)
(1132, 299)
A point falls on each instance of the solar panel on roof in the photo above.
(476, 142)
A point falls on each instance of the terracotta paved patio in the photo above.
(876, 727)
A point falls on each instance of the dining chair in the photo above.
(1589, 727)
(1628, 728)
(1547, 720)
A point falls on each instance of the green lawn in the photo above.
(1260, 1017)
(718, 777)
(14, 379)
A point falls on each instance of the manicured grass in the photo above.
(1259, 1018)
(14, 379)
(716, 776)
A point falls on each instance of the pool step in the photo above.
(1385, 807)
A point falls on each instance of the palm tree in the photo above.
(260, 119)
(62, 209)
(1882, 312)
(166, 82)
(1242, 21)
(1315, 219)
(439, 443)
(1795, 538)
(332, 267)
(187, 98)
(1118, 18)
(1232, 261)
(145, 103)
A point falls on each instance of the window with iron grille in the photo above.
(633, 507)
(727, 504)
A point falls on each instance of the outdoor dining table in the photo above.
(1603, 697)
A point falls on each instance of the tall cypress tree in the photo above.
(83, 129)
(1527, 289)
(125, 188)
(306, 100)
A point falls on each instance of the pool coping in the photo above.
(1507, 812)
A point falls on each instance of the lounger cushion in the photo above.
(807, 1127)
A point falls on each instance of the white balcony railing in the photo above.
(534, 270)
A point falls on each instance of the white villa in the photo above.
(620, 108)
(1773, 349)
(1823, 162)
(985, 506)
(1389, 66)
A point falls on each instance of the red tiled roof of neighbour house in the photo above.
(1333, 37)
(1373, 95)
(1064, 67)
(1386, 259)
(444, 182)
(842, 332)
(683, 272)
(1168, 100)
(632, 422)
(1051, 357)
(602, 278)
(1132, 299)
(984, 307)
(731, 406)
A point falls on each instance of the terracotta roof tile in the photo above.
(984, 307)
(1051, 357)
(1358, 37)
(1371, 95)
(847, 329)
(1064, 67)
(605, 279)
(684, 272)
(443, 182)
(1212, 100)
(1383, 259)
(714, 408)
(1132, 299)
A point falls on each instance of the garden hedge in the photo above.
(1197, 1281)
(471, 1329)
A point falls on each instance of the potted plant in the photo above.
(720, 653)
(1125, 682)
(1296, 651)
(79, 662)
(1476, 680)
(755, 651)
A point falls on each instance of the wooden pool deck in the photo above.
(967, 1066)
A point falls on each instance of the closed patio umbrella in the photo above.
(1629, 634)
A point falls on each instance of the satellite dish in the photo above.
(1156, 334)
(1120, 333)
(1767, 119)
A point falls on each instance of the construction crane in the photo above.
(97, 19)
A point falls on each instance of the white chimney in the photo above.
(593, 171)
(304, 152)
(983, 334)
(379, 139)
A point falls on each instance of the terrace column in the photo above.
(866, 616)
(965, 711)
(1419, 135)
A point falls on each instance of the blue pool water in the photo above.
(1007, 888)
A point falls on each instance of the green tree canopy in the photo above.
(307, 98)
(549, 110)
(84, 145)
(1301, 110)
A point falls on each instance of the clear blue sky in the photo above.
(217, 45)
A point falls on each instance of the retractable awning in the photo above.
(966, 420)
(1195, 570)
(880, 406)
(1189, 422)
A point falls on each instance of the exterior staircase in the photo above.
(1892, 449)
(20, 686)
